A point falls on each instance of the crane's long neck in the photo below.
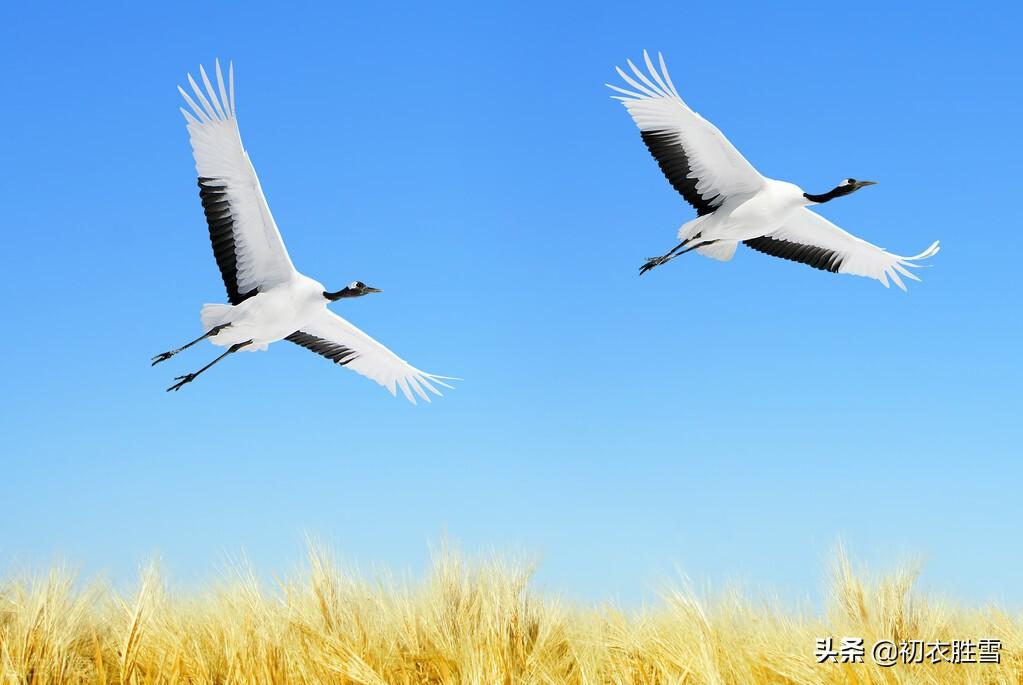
(844, 188)
(340, 294)
(830, 195)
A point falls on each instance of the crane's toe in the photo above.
(651, 263)
(162, 357)
(187, 378)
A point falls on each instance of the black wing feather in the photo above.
(217, 206)
(339, 354)
(667, 149)
(817, 257)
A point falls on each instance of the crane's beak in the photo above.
(860, 184)
(372, 290)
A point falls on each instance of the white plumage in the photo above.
(262, 260)
(734, 202)
(859, 257)
(269, 299)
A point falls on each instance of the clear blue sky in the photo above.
(733, 420)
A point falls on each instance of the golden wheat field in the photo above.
(472, 622)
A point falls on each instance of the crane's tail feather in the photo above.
(722, 250)
(214, 315)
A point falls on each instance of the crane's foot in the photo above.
(652, 262)
(163, 356)
(187, 378)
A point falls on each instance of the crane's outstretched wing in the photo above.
(334, 338)
(246, 242)
(811, 239)
(698, 160)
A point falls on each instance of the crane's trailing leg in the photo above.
(672, 253)
(189, 377)
(164, 356)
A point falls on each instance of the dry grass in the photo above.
(466, 623)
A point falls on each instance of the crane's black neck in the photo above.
(353, 289)
(341, 294)
(830, 195)
(848, 186)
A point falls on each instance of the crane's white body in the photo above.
(736, 203)
(269, 316)
(270, 299)
(749, 215)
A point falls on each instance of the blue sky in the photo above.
(732, 420)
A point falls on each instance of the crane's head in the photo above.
(353, 289)
(846, 187)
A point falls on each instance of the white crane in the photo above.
(733, 202)
(270, 300)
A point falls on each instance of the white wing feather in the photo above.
(714, 163)
(858, 256)
(262, 261)
(373, 360)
